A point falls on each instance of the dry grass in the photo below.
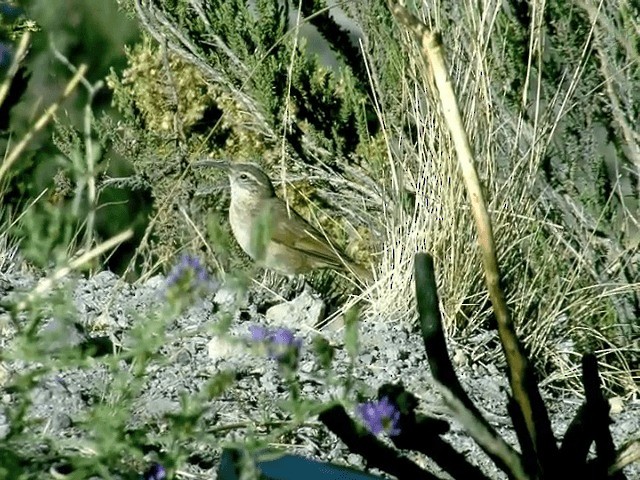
(552, 289)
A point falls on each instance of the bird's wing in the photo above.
(295, 232)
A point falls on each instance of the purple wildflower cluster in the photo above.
(186, 280)
(155, 472)
(188, 266)
(280, 343)
(380, 416)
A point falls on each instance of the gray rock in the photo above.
(306, 309)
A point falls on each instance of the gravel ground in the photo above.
(108, 309)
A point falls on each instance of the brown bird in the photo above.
(274, 236)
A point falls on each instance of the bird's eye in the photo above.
(243, 176)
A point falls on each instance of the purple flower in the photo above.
(187, 282)
(380, 416)
(190, 271)
(258, 333)
(189, 262)
(280, 343)
(155, 472)
(284, 340)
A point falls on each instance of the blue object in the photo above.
(10, 11)
(274, 466)
(155, 472)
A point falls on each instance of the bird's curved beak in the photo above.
(209, 163)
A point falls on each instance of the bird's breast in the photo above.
(242, 218)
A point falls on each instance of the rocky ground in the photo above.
(108, 309)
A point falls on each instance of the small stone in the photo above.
(226, 295)
(60, 334)
(306, 309)
(183, 357)
(61, 421)
(220, 349)
(155, 283)
(460, 358)
(616, 405)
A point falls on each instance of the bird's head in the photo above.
(248, 181)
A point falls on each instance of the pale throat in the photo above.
(244, 209)
(242, 197)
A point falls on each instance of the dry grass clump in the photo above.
(558, 305)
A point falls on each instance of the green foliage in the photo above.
(260, 235)
(48, 233)
(587, 142)
(252, 55)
